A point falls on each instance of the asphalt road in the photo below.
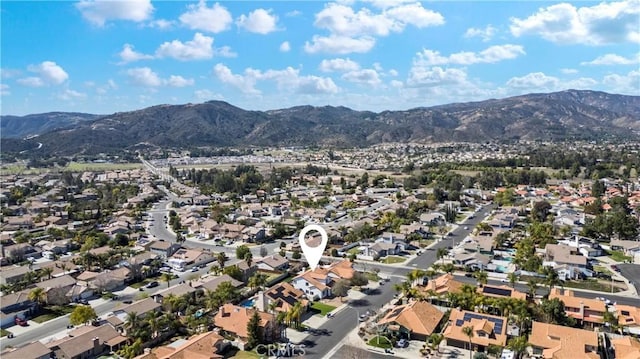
(632, 273)
(349, 352)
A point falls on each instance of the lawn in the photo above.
(140, 284)
(4, 332)
(601, 269)
(372, 276)
(52, 312)
(384, 343)
(425, 243)
(592, 284)
(354, 250)
(618, 256)
(393, 260)
(322, 308)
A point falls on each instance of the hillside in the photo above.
(562, 115)
(37, 124)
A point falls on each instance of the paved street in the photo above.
(632, 273)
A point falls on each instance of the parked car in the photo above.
(21, 322)
(152, 284)
(128, 301)
(402, 343)
(615, 268)
(195, 269)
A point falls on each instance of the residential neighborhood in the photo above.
(164, 261)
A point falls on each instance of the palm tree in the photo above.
(169, 302)
(518, 345)
(441, 253)
(272, 306)
(513, 278)
(248, 257)
(221, 258)
(38, 295)
(296, 313)
(166, 277)
(47, 271)
(434, 341)
(257, 280)
(132, 322)
(415, 275)
(482, 278)
(551, 277)
(533, 287)
(448, 268)
(468, 331)
(152, 318)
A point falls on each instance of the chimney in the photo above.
(96, 345)
(222, 310)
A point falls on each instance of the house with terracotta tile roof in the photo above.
(207, 345)
(233, 319)
(416, 320)
(559, 342)
(589, 312)
(317, 284)
(501, 291)
(284, 295)
(626, 348)
(629, 318)
(445, 283)
(487, 330)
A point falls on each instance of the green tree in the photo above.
(257, 280)
(441, 253)
(540, 211)
(82, 314)
(551, 278)
(242, 251)
(513, 278)
(359, 279)
(38, 295)
(341, 288)
(482, 278)
(254, 337)
(248, 258)
(166, 277)
(518, 345)
(47, 271)
(221, 258)
(468, 331)
(234, 272)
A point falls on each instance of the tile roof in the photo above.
(234, 319)
(444, 284)
(493, 327)
(33, 350)
(562, 342)
(418, 316)
(625, 348)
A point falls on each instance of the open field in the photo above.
(78, 166)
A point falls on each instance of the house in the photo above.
(141, 307)
(501, 291)
(110, 280)
(416, 320)
(625, 347)
(274, 262)
(184, 259)
(380, 249)
(15, 304)
(12, 274)
(58, 289)
(88, 342)
(284, 295)
(317, 284)
(487, 330)
(442, 285)
(629, 248)
(163, 248)
(207, 345)
(628, 318)
(253, 234)
(559, 342)
(589, 312)
(35, 350)
(178, 291)
(213, 284)
(234, 319)
(472, 260)
(432, 219)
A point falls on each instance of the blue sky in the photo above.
(102, 56)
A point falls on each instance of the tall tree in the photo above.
(482, 278)
(254, 337)
(441, 253)
(166, 277)
(82, 314)
(341, 288)
(468, 331)
(38, 295)
(518, 345)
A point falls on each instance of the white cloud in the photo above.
(364, 76)
(144, 76)
(534, 81)
(213, 19)
(491, 54)
(338, 64)
(485, 34)
(613, 59)
(624, 84)
(567, 71)
(31, 81)
(200, 48)
(68, 95)
(162, 24)
(49, 73)
(343, 20)
(128, 54)
(99, 12)
(293, 13)
(393, 72)
(4, 90)
(110, 85)
(285, 47)
(6, 73)
(288, 79)
(179, 81)
(224, 51)
(259, 21)
(424, 76)
(246, 84)
(337, 44)
(207, 95)
(605, 23)
(396, 84)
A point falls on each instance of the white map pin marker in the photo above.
(313, 254)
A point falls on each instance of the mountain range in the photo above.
(565, 115)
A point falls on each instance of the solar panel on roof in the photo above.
(497, 291)
(459, 323)
(498, 322)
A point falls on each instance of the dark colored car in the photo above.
(153, 284)
(21, 322)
